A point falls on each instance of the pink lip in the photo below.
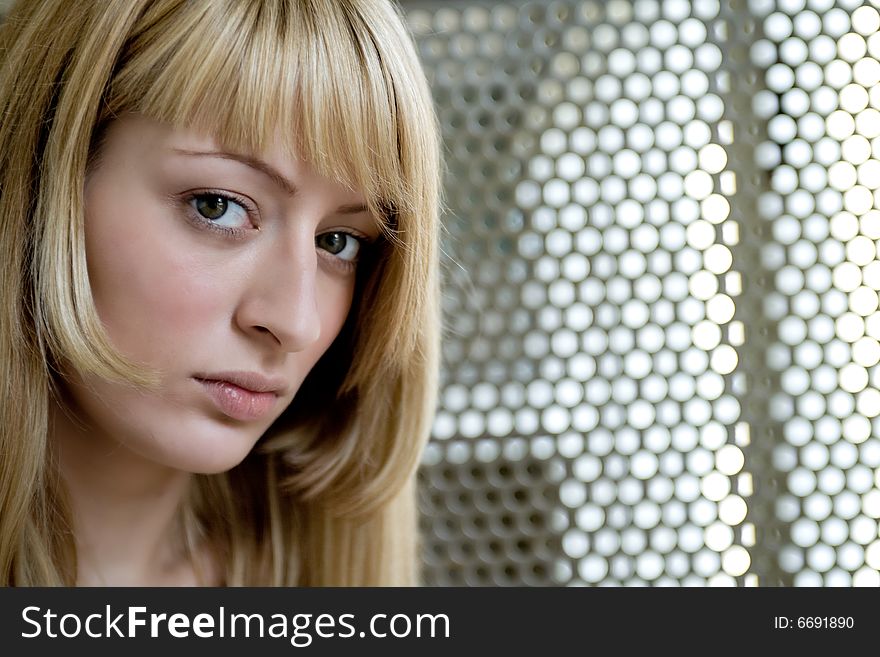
(242, 395)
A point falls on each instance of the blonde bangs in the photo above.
(314, 69)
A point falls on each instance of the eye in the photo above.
(344, 246)
(220, 210)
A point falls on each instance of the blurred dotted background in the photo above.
(661, 347)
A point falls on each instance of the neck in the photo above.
(125, 510)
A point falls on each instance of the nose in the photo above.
(280, 303)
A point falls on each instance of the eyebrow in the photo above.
(271, 173)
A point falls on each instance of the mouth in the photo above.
(241, 398)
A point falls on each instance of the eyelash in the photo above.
(252, 212)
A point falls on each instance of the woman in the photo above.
(218, 292)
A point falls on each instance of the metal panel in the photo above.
(661, 293)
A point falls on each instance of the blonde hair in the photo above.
(325, 498)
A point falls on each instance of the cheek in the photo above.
(334, 303)
(147, 286)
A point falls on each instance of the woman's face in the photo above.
(229, 274)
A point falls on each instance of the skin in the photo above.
(185, 298)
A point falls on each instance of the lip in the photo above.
(242, 396)
(250, 381)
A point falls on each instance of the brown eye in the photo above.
(220, 211)
(332, 242)
(211, 206)
(342, 245)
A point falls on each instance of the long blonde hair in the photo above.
(327, 496)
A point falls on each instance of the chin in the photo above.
(212, 466)
(202, 449)
(206, 463)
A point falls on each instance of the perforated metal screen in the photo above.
(660, 360)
